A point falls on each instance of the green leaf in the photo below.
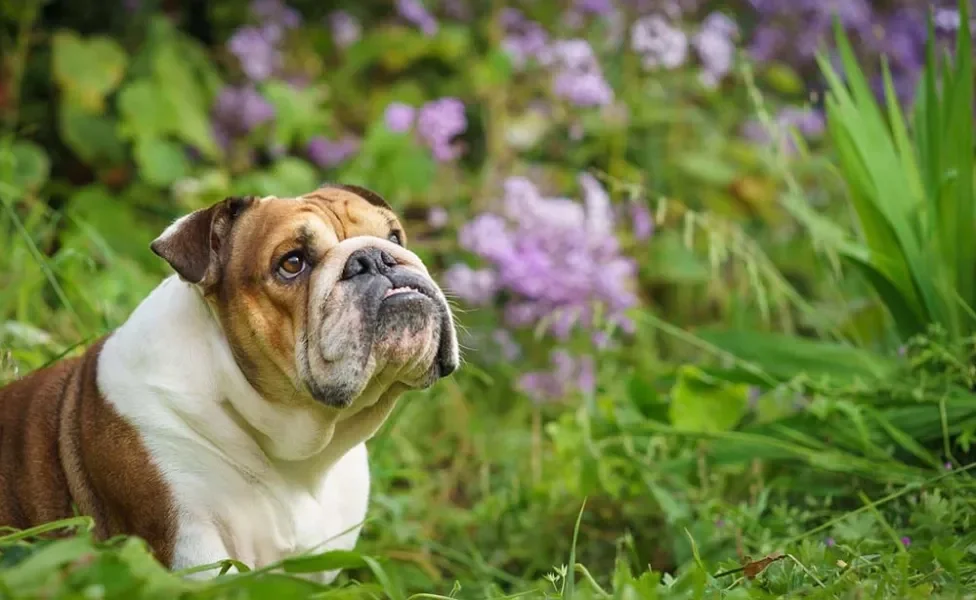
(161, 162)
(145, 110)
(185, 92)
(328, 561)
(93, 138)
(700, 403)
(294, 177)
(42, 564)
(707, 168)
(297, 112)
(31, 165)
(784, 356)
(672, 261)
(87, 70)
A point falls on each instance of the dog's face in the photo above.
(318, 296)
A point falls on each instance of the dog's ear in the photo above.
(191, 245)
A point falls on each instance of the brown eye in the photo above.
(395, 238)
(291, 265)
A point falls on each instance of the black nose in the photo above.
(368, 261)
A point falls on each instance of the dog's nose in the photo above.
(368, 261)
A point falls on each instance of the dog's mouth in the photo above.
(405, 289)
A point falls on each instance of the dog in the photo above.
(227, 416)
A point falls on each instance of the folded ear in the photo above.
(191, 245)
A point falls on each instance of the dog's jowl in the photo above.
(226, 418)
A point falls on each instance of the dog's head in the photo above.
(318, 296)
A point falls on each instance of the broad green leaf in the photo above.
(298, 112)
(293, 177)
(707, 168)
(702, 404)
(161, 162)
(93, 138)
(671, 260)
(87, 69)
(30, 165)
(145, 110)
(328, 561)
(189, 100)
(785, 356)
(42, 564)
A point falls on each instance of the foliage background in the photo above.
(637, 208)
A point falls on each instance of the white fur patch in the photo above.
(168, 370)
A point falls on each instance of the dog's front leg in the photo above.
(199, 544)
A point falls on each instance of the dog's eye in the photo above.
(291, 265)
(395, 238)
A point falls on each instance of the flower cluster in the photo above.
(567, 374)
(576, 73)
(715, 45)
(328, 153)
(577, 76)
(416, 13)
(237, 111)
(346, 30)
(257, 47)
(558, 262)
(795, 31)
(658, 42)
(437, 124)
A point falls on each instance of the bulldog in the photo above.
(227, 416)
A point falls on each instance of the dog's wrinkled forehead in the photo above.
(347, 212)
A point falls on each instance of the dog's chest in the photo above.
(260, 522)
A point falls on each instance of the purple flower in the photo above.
(475, 286)
(256, 50)
(947, 466)
(437, 217)
(594, 7)
(906, 541)
(715, 47)
(567, 374)
(438, 123)
(578, 77)
(238, 110)
(509, 347)
(524, 39)
(416, 13)
(658, 43)
(327, 153)
(585, 89)
(829, 542)
(641, 221)
(399, 117)
(346, 30)
(276, 12)
(558, 261)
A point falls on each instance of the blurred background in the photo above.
(628, 201)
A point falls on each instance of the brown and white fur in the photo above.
(226, 418)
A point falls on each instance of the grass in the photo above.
(471, 502)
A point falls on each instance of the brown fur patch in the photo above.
(63, 447)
